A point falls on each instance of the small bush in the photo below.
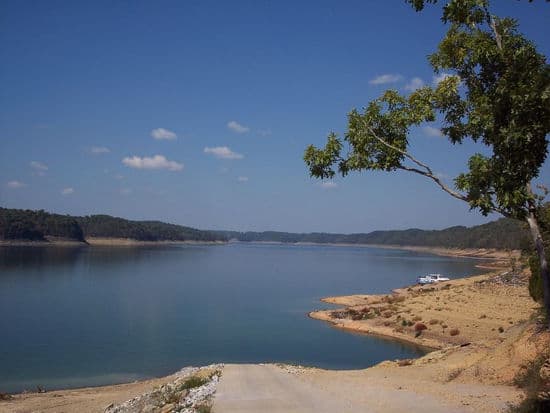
(404, 362)
(192, 382)
(454, 332)
(388, 314)
(433, 321)
(501, 330)
(420, 327)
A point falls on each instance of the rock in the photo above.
(544, 371)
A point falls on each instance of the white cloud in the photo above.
(67, 191)
(154, 162)
(163, 134)
(328, 184)
(384, 79)
(237, 127)
(441, 77)
(39, 168)
(414, 83)
(242, 179)
(432, 132)
(223, 152)
(15, 184)
(125, 191)
(97, 150)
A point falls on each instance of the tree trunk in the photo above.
(539, 246)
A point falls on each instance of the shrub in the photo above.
(192, 382)
(454, 332)
(420, 327)
(433, 321)
(388, 314)
(529, 379)
(501, 330)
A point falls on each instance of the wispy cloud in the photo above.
(163, 134)
(264, 132)
(237, 127)
(39, 168)
(67, 191)
(223, 152)
(328, 184)
(432, 132)
(15, 184)
(242, 179)
(386, 78)
(154, 162)
(414, 83)
(98, 150)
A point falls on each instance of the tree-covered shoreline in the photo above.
(41, 226)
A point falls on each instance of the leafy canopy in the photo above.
(498, 94)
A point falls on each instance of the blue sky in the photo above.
(198, 112)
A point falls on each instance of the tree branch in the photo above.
(498, 37)
(438, 181)
(427, 172)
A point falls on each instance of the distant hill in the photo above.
(17, 224)
(105, 226)
(28, 225)
(501, 234)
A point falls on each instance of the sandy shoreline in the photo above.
(96, 241)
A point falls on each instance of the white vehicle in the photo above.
(431, 279)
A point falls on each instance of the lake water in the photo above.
(74, 317)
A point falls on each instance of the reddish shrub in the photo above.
(454, 332)
(420, 327)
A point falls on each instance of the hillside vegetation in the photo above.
(16, 224)
(501, 234)
(27, 225)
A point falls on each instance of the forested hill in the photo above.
(18, 224)
(501, 234)
(105, 226)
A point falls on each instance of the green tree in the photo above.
(498, 94)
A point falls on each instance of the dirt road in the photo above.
(270, 388)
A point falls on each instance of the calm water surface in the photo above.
(84, 316)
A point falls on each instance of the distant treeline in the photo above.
(19, 224)
(501, 234)
(16, 224)
(105, 226)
